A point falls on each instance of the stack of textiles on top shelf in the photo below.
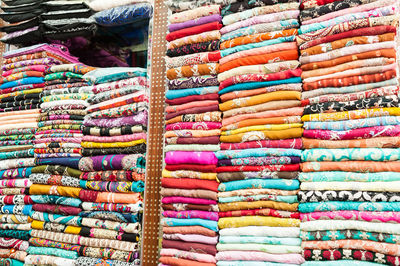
(193, 122)
(55, 179)
(349, 204)
(21, 85)
(113, 166)
(259, 161)
(24, 21)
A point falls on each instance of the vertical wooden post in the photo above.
(154, 163)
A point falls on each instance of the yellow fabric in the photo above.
(89, 144)
(261, 128)
(261, 98)
(233, 222)
(37, 189)
(188, 174)
(16, 93)
(356, 114)
(260, 135)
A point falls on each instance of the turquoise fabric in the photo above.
(256, 85)
(348, 206)
(260, 183)
(52, 252)
(287, 199)
(174, 94)
(58, 200)
(262, 152)
(352, 154)
(212, 225)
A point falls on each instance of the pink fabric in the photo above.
(66, 140)
(122, 138)
(384, 217)
(359, 133)
(290, 14)
(260, 256)
(40, 68)
(260, 77)
(181, 107)
(167, 200)
(193, 126)
(185, 157)
(352, 10)
(262, 50)
(192, 214)
(211, 240)
(274, 113)
(74, 131)
(187, 255)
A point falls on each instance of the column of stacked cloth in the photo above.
(350, 176)
(22, 82)
(193, 122)
(113, 166)
(259, 161)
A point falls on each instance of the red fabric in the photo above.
(193, 30)
(249, 168)
(201, 140)
(378, 30)
(280, 143)
(260, 77)
(58, 209)
(211, 168)
(318, 2)
(9, 199)
(188, 183)
(190, 246)
(194, 110)
(192, 98)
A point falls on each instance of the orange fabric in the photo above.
(318, 49)
(182, 262)
(257, 38)
(388, 53)
(110, 197)
(194, 70)
(349, 81)
(263, 121)
(260, 59)
(246, 93)
(195, 229)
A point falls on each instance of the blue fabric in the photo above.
(17, 173)
(24, 81)
(16, 209)
(348, 206)
(350, 154)
(70, 162)
(260, 183)
(103, 75)
(257, 152)
(249, 46)
(174, 94)
(212, 225)
(256, 85)
(123, 15)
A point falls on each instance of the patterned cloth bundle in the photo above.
(22, 83)
(350, 176)
(193, 122)
(259, 162)
(113, 166)
(55, 179)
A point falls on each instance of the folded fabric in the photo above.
(331, 195)
(354, 154)
(353, 166)
(253, 258)
(377, 142)
(133, 162)
(360, 186)
(260, 183)
(338, 205)
(178, 157)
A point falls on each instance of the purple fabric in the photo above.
(139, 119)
(194, 22)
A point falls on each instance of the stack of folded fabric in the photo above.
(21, 85)
(63, 20)
(55, 179)
(348, 200)
(259, 161)
(113, 166)
(193, 122)
(24, 22)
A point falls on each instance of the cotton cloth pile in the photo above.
(193, 122)
(55, 179)
(21, 86)
(350, 173)
(259, 161)
(113, 166)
